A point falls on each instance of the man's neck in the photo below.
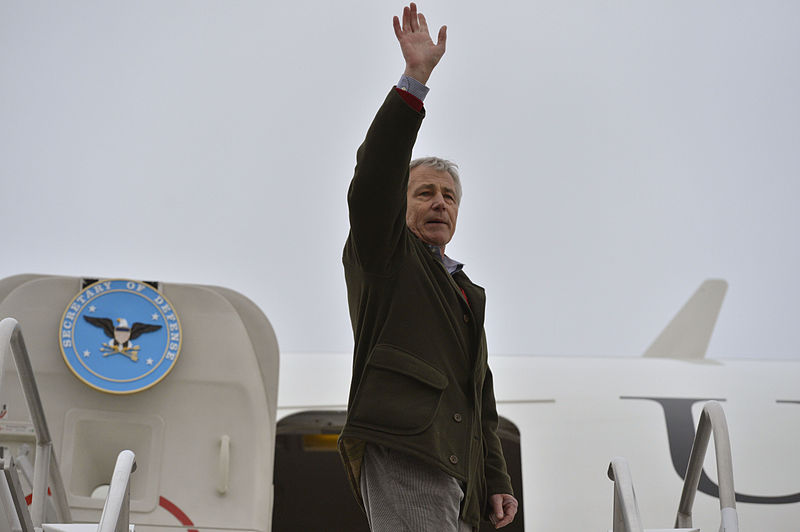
(439, 250)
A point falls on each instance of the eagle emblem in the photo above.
(120, 336)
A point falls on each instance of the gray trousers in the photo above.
(404, 494)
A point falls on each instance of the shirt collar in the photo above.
(452, 266)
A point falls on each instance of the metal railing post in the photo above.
(40, 470)
(15, 503)
(45, 465)
(116, 511)
(626, 508)
(712, 420)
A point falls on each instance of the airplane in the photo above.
(563, 418)
(243, 446)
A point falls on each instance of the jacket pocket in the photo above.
(399, 392)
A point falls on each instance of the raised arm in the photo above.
(419, 51)
(377, 196)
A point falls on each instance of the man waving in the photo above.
(420, 443)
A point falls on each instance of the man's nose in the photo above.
(438, 201)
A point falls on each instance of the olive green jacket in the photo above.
(420, 382)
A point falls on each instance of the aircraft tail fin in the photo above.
(687, 336)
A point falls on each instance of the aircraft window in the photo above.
(311, 490)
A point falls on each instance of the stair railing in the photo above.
(116, 510)
(626, 508)
(712, 420)
(45, 465)
(14, 505)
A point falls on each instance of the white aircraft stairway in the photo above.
(626, 509)
(48, 498)
(194, 397)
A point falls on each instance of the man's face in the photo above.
(432, 208)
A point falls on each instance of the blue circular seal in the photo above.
(120, 336)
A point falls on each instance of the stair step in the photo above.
(669, 530)
(73, 527)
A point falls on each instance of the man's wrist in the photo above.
(413, 86)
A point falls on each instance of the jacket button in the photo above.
(457, 417)
(453, 459)
(466, 318)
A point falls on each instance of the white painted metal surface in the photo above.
(15, 511)
(712, 420)
(224, 383)
(46, 472)
(116, 510)
(626, 509)
(573, 413)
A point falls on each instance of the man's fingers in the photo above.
(504, 508)
(500, 523)
(414, 22)
(497, 507)
(423, 24)
(442, 39)
(510, 511)
(503, 522)
(397, 29)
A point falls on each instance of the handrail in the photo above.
(15, 498)
(626, 509)
(45, 464)
(116, 510)
(713, 420)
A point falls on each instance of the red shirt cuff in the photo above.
(410, 99)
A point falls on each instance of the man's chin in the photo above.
(436, 239)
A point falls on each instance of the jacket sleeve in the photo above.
(497, 478)
(377, 195)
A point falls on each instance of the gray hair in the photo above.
(442, 165)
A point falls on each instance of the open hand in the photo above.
(419, 51)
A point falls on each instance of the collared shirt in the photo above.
(414, 87)
(452, 266)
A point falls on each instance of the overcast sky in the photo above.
(614, 155)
